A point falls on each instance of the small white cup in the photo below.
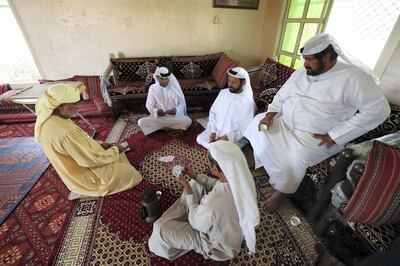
(295, 221)
(155, 112)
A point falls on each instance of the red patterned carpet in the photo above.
(31, 233)
(109, 230)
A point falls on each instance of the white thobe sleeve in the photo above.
(281, 96)
(212, 118)
(180, 107)
(372, 107)
(151, 101)
(207, 182)
(240, 126)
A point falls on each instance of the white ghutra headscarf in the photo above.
(321, 41)
(241, 73)
(234, 166)
(173, 83)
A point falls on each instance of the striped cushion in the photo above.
(92, 84)
(102, 107)
(4, 88)
(376, 199)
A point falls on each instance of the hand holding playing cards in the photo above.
(182, 181)
(107, 145)
(190, 172)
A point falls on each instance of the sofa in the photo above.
(200, 77)
(94, 106)
(317, 181)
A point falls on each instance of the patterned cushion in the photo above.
(274, 74)
(194, 67)
(92, 84)
(219, 72)
(390, 125)
(195, 84)
(376, 199)
(132, 69)
(125, 88)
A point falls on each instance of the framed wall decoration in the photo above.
(245, 4)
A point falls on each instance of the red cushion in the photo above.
(219, 72)
(92, 84)
(376, 199)
(102, 107)
(4, 88)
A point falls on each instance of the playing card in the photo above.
(167, 159)
(177, 170)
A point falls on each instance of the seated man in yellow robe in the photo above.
(86, 166)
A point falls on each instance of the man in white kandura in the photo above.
(165, 103)
(214, 223)
(321, 107)
(231, 112)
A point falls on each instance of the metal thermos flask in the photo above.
(150, 200)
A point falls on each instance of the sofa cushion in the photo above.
(124, 88)
(390, 125)
(132, 69)
(274, 74)
(219, 72)
(92, 84)
(194, 67)
(87, 107)
(376, 199)
(102, 107)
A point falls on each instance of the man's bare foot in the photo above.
(273, 202)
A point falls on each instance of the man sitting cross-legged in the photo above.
(231, 112)
(213, 215)
(165, 103)
(86, 166)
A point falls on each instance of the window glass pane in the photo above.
(290, 37)
(296, 8)
(363, 27)
(309, 30)
(286, 60)
(16, 61)
(298, 63)
(315, 8)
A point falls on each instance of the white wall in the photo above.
(75, 37)
(390, 80)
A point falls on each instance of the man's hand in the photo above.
(267, 120)
(213, 137)
(325, 139)
(160, 112)
(121, 148)
(224, 137)
(107, 145)
(171, 111)
(189, 172)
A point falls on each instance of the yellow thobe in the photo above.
(82, 163)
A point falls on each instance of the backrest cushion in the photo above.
(194, 67)
(390, 125)
(92, 84)
(219, 74)
(132, 69)
(274, 74)
(4, 88)
(376, 199)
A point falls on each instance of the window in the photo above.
(303, 19)
(363, 27)
(16, 62)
